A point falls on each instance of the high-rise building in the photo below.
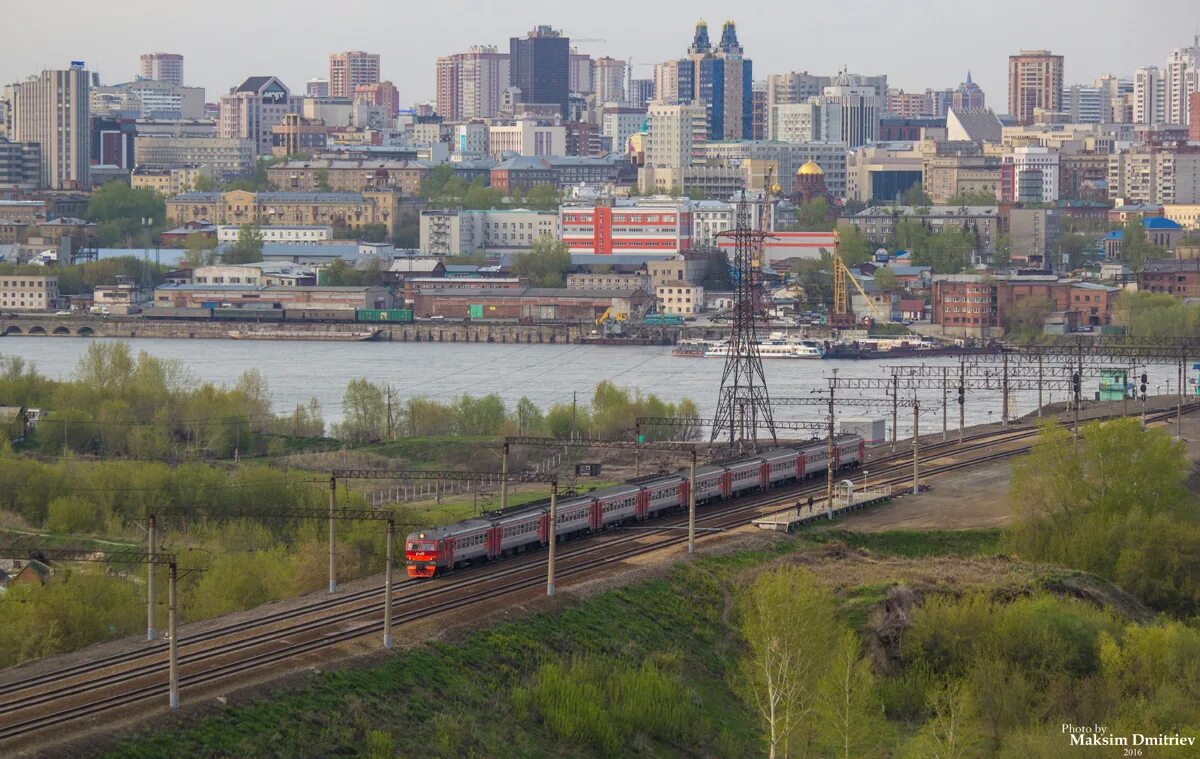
(1148, 96)
(641, 92)
(51, 109)
(758, 111)
(252, 109)
(350, 69)
(1181, 77)
(849, 114)
(383, 94)
(540, 67)
(580, 72)
(20, 165)
(719, 77)
(674, 132)
(608, 79)
(969, 96)
(1035, 81)
(163, 67)
(469, 84)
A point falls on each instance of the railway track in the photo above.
(55, 698)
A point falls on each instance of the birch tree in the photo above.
(790, 628)
(849, 716)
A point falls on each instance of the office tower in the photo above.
(1148, 96)
(719, 77)
(252, 109)
(968, 96)
(641, 92)
(350, 69)
(163, 67)
(540, 67)
(51, 109)
(1181, 77)
(1035, 81)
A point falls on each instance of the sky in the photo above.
(919, 44)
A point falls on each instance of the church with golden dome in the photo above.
(810, 184)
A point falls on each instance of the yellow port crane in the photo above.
(842, 315)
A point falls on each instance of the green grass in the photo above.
(912, 544)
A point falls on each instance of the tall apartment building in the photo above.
(252, 109)
(1035, 81)
(350, 69)
(674, 133)
(1156, 176)
(1148, 96)
(1181, 77)
(641, 92)
(1029, 174)
(52, 110)
(539, 65)
(580, 73)
(969, 96)
(718, 77)
(608, 78)
(20, 165)
(799, 87)
(163, 67)
(469, 84)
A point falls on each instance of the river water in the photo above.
(547, 374)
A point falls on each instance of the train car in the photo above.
(183, 312)
(320, 315)
(779, 466)
(248, 314)
(517, 532)
(710, 483)
(663, 494)
(745, 476)
(851, 451)
(575, 516)
(815, 456)
(617, 504)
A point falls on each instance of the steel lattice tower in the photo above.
(743, 403)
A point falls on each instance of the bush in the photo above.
(70, 514)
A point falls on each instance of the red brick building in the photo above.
(970, 305)
(1172, 277)
(1194, 117)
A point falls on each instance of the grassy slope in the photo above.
(454, 699)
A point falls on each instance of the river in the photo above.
(546, 374)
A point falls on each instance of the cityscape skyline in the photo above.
(769, 39)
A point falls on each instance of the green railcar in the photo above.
(385, 314)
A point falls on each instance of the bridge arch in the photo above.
(12, 329)
(85, 332)
(61, 330)
(37, 329)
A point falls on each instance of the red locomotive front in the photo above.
(421, 556)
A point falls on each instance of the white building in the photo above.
(527, 138)
(794, 122)
(1148, 95)
(281, 234)
(1181, 77)
(674, 134)
(680, 298)
(1037, 164)
(470, 139)
(1084, 104)
(459, 231)
(1145, 175)
(850, 114)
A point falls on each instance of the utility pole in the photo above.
(151, 596)
(504, 472)
(692, 505)
(829, 459)
(1039, 386)
(387, 585)
(1182, 385)
(895, 400)
(916, 445)
(637, 450)
(552, 530)
(962, 399)
(1004, 394)
(173, 666)
(332, 535)
(945, 401)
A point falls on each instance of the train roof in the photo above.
(458, 528)
(616, 490)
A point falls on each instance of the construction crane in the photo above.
(842, 316)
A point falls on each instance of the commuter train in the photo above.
(439, 549)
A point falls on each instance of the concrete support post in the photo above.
(387, 585)
(916, 446)
(151, 594)
(637, 449)
(173, 631)
(962, 402)
(829, 459)
(945, 401)
(332, 535)
(1039, 385)
(504, 478)
(553, 530)
(895, 401)
(692, 505)
(1004, 393)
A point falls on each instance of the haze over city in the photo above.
(920, 44)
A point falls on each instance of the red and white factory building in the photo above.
(628, 227)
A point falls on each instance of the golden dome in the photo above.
(810, 168)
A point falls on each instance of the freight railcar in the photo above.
(441, 549)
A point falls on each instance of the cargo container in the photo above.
(476, 312)
(871, 429)
(385, 315)
(320, 315)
